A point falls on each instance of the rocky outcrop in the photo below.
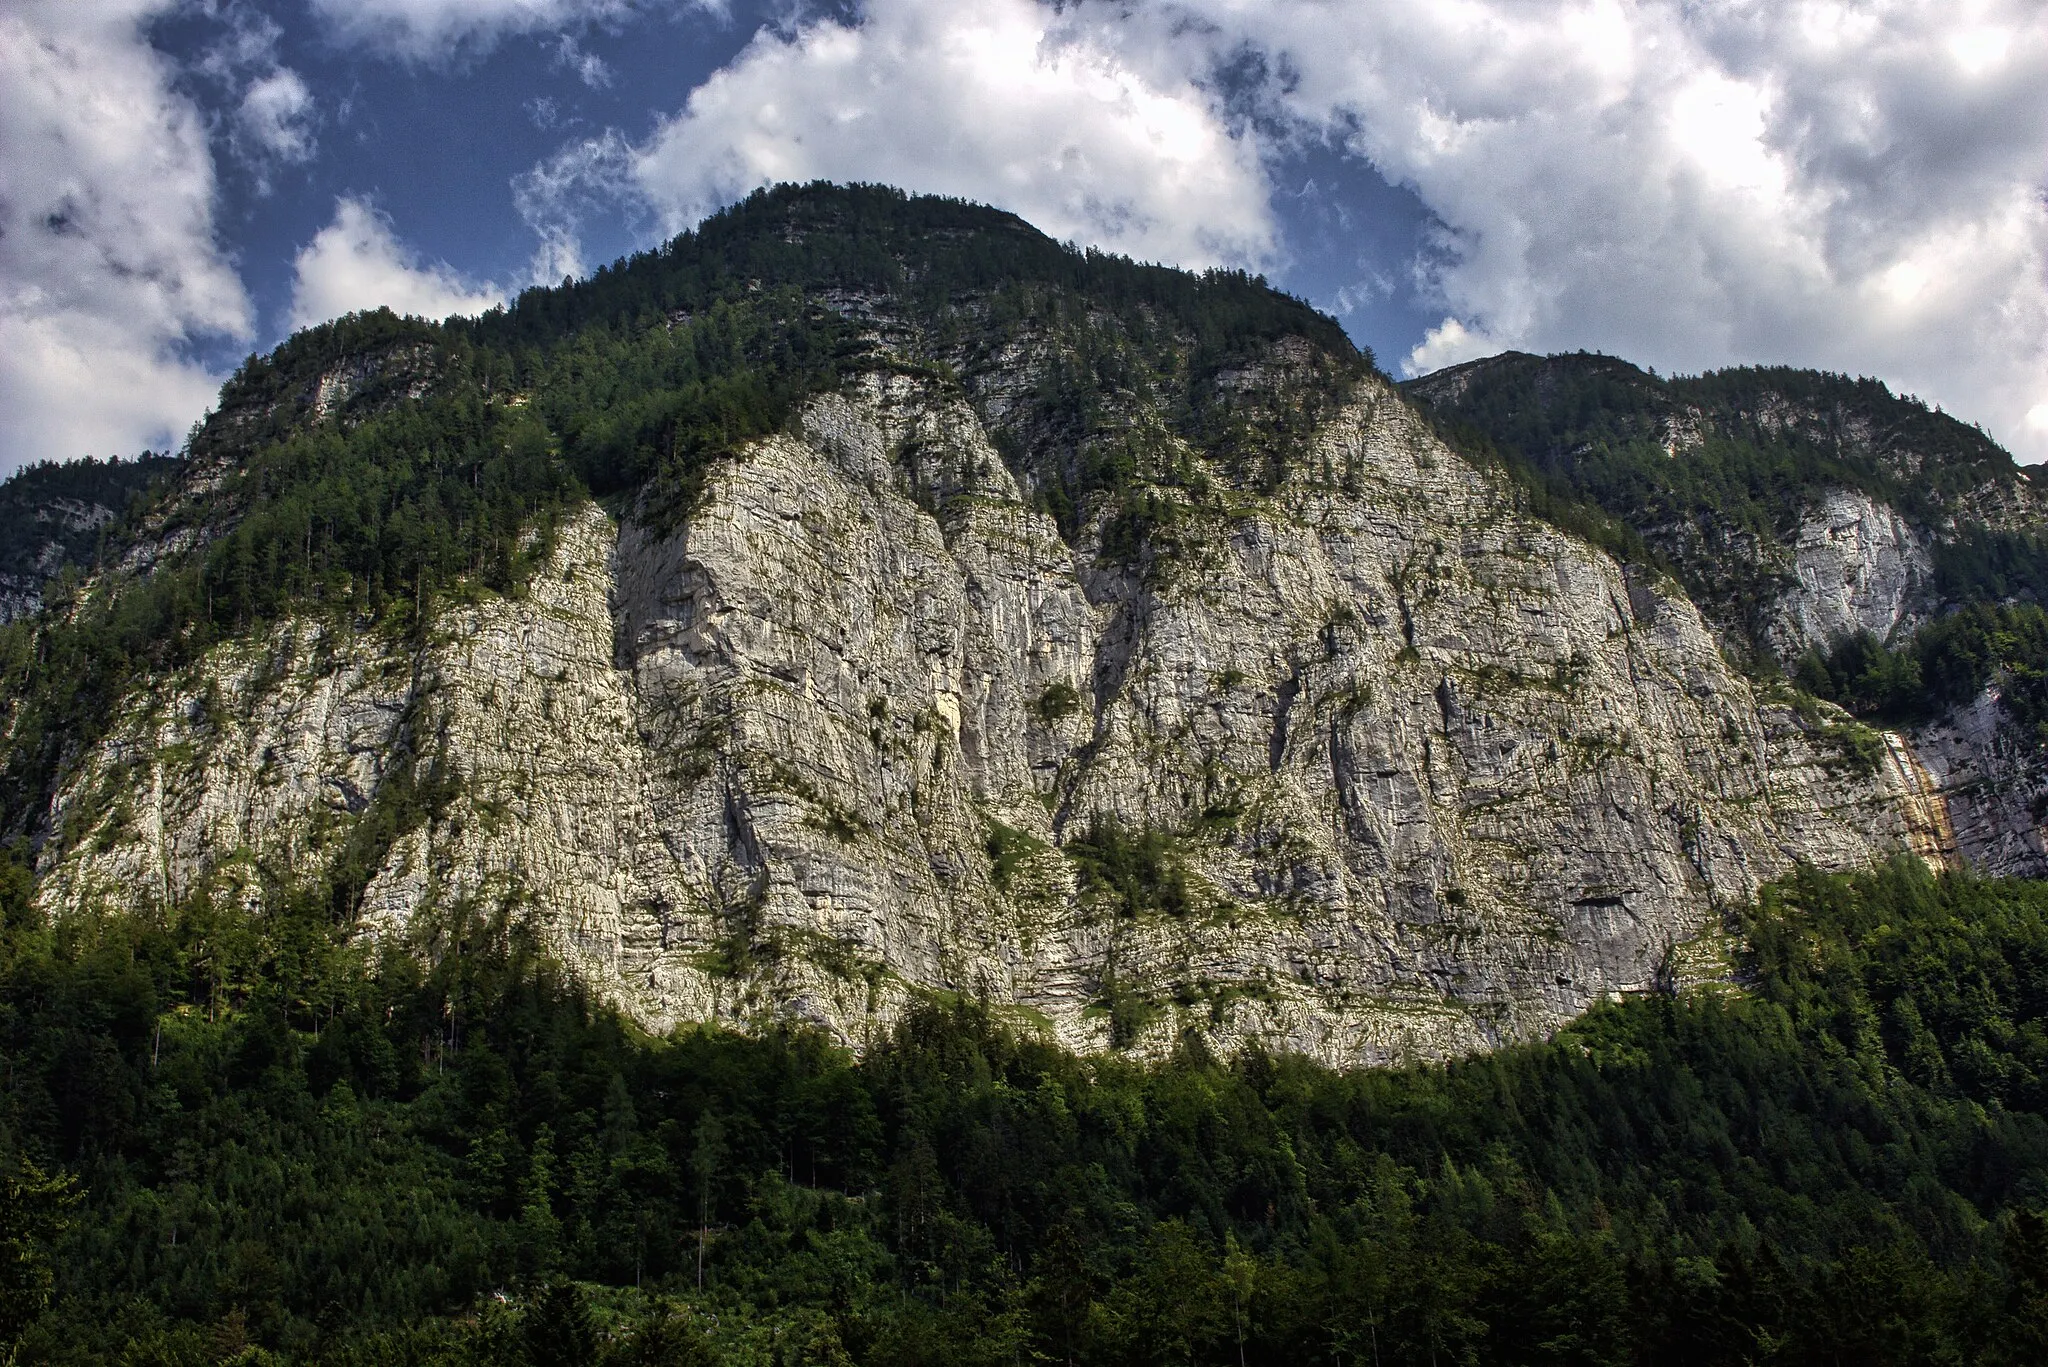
(1992, 790)
(1855, 566)
(53, 517)
(48, 530)
(1373, 767)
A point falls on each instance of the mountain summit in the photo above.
(865, 598)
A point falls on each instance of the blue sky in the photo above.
(491, 113)
(1855, 186)
(436, 144)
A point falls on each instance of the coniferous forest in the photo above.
(241, 1132)
(249, 1139)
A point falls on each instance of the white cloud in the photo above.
(588, 66)
(276, 117)
(357, 262)
(427, 29)
(109, 263)
(1449, 343)
(247, 41)
(1005, 101)
(544, 110)
(267, 112)
(593, 177)
(1855, 186)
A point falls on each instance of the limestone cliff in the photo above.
(960, 614)
(1413, 773)
(1854, 565)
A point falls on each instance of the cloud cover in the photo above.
(275, 118)
(428, 30)
(1006, 101)
(1854, 186)
(357, 262)
(109, 262)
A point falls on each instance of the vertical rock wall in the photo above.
(1373, 767)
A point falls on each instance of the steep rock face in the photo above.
(1372, 767)
(1992, 790)
(239, 777)
(52, 516)
(1855, 565)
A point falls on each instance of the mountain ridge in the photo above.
(1108, 642)
(1775, 460)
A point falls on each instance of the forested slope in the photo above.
(279, 1148)
(1717, 476)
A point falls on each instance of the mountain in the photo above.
(866, 597)
(828, 795)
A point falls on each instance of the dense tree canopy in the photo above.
(289, 1147)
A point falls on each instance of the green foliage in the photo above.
(557, 1328)
(928, 251)
(1131, 345)
(1946, 664)
(1136, 873)
(1758, 439)
(360, 522)
(1008, 850)
(32, 1216)
(1059, 701)
(1865, 677)
(293, 1149)
(1979, 564)
(273, 391)
(1544, 493)
(663, 402)
(1694, 471)
(1943, 981)
(1849, 747)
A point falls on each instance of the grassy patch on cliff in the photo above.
(1134, 872)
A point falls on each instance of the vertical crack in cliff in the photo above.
(1283, 704)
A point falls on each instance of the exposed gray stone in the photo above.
(1856, 566)
(1437, 776)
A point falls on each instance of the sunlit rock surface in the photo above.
(1414, 774)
